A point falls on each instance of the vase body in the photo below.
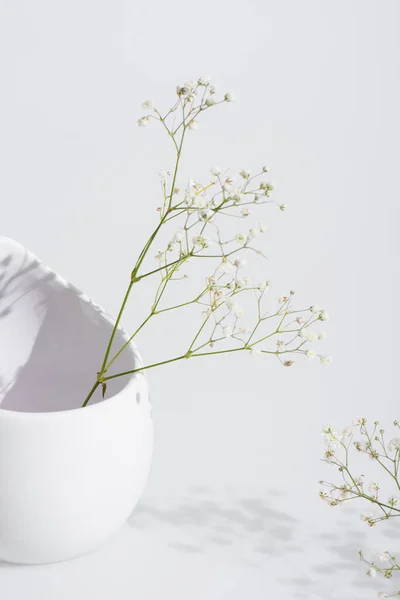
(69, 476)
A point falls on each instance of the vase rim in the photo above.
(132, 380)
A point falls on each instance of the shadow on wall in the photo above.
(320, 564)
(53, 339)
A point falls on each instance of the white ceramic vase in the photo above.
(69, 477)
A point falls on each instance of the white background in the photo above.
(231, 510)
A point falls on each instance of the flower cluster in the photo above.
(191, 226)
(385, 564)
(201, 207)
(193, 97)
(385, 453)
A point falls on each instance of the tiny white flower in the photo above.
(144, 122)
(383, 557)
(373, 488)
(366, 516)
(262, 285)
(393, 501)
(323, 316)
(163, 175)
(204, 79)
(329, 457)
(325, 360)
(179, 236)
(229, 97)
(238, 311)
(358, 421)
(307, 334)
(371, 572)
(361, 447)
(216, 171)
(283, 299)
(321, 335)
(227, 331)
(245, 173)
(186, 89)
(237, 198)
(265, 169)
(394, 444)
(262, 227)
(245, 212)
(255, 352)
(254, 232)
(383, 596)
(201, 201)
(193, 125)
(330, 434)
(206, 214)
(283, 207)
(240, 283)
(148, 105)
(300, 320)
(201, 240)
(240, 262)
(311, 353)
(346, 433)
(315, 308)
(210, 101)
(240, 238)
(160, 256)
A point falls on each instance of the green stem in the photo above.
(146, 320)
(171, 360)
(128, 291)
(128, 342)
(165, 362)
(134, 274)
(90, 394)
(178, 158)
(199, 332)
(162, 310)
(126, 297)
(171, 264)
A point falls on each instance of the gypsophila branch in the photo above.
(371, 443)
(198, 210)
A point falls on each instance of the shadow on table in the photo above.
(321, 561)
(251, 519)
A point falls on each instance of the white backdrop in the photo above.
(231, 510)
